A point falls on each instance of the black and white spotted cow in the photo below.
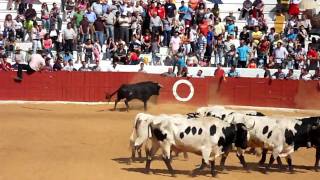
(305, 133)
(221, 112)
(202, 136)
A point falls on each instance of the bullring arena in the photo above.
(44, 139)
(68, 141)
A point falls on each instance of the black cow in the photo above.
(142, 91)
(308, 135)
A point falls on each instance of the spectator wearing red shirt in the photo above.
(4, 65)
(252, 64)
(161, 11)
(204, 27)
(313, 56)
(152, 9)
(219, 72)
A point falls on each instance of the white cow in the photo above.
(203, 136)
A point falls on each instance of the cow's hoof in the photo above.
(248, 170)
(214, 174)
(316, 169)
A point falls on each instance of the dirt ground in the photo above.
(90, 142)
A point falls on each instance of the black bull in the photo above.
(142, 91)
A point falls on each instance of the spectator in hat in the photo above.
(36, 63)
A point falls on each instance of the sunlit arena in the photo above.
(159, 89)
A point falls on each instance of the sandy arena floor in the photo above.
(86, 142)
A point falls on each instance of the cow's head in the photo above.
(242, 135)
(316, 124)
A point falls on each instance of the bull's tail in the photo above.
(109, 96)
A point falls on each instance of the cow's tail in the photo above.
(109, 96)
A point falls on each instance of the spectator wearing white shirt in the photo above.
(280, 54)
(305, 75)
(69, 36)
(251, 22)
(69, 67)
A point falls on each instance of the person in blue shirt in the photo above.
(67, 56)
(233, 72)
(243, 52)
(291, 35)
(231, 28)
(182, 10)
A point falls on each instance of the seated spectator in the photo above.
(67, 56)
(258, 6)
(251, 22)
(246, 8)
(267, 73)
(199, 74)
(219, 72)
(113, 67)
(252, 64)
(184, 72)
(142, 70)
(84, 67)
(4, 64)
(300, 57)
(57, 64)
(279, 74)
(192, 60)
(290, 75)
(316, 75)
(305, 75)
(233, 72)
(120, 55)
(96, 67)
(47, 67)
(69, 67)
(169, 73)
(134, 58)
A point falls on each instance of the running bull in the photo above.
(142, 91)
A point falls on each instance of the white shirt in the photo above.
(36, 62)
(280, 54)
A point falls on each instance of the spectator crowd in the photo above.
(193, 34)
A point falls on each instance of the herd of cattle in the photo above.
(214, 131)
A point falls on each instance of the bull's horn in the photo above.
(249, 129)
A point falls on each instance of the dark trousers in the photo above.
(24, 67)
(124, 34)
(242, 64)
(69, 45)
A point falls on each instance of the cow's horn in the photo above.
(249, 129)
(160, 85)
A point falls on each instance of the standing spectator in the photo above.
(170, 10)
(233, 72)
(300, 57)
(243, 52)
(88, 50)
(167, 28)
(91, 17)
(155, 24)
(124, 28)
(303, 35)
(35, 38)
(54, 35)
(245, 35)
(36, 63)
(47, 44)
(263, 50)
(202, 46)
(279, 55)
(55, 16)
(30, 14)
(84, 29)
(69, 37)
(19, 29)
(175, 43)
(45, 16)
(251, 22)
(313, 57)
(9, 25)
(193, 36)
(231, 56)
(110, 20)
(78, 17)
(99, 30)
(97, 8)
(219, 50)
